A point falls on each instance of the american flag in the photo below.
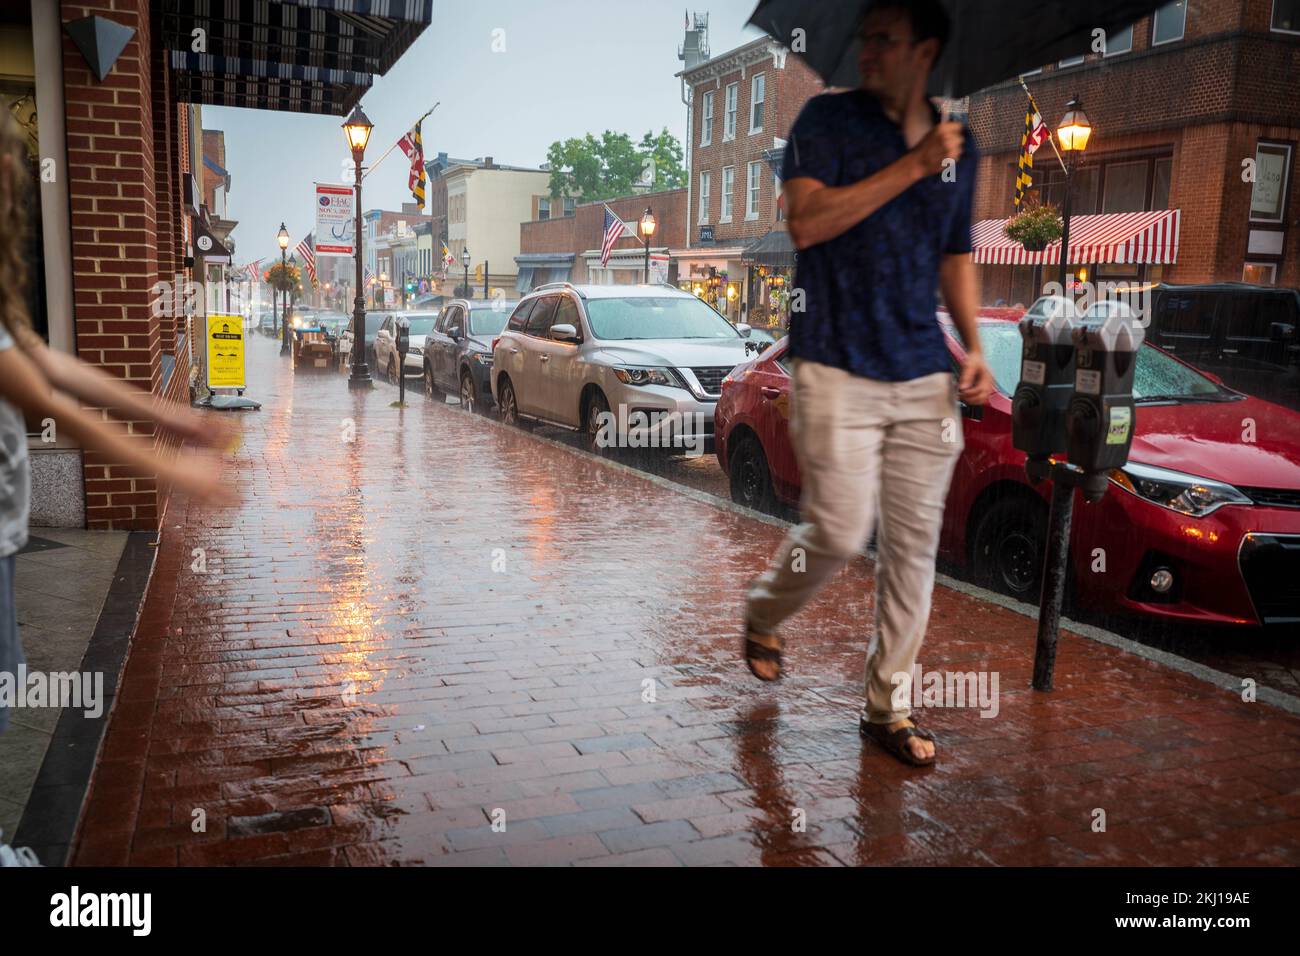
(613, 232)
(369, 276)
(307, 253)
(254, 270)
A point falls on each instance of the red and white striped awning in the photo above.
(1118, 237)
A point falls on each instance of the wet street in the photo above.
(424, 637)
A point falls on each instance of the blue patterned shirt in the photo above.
(871, 293)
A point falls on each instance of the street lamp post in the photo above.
(357, 128)
(1072, 138)
(464, 258)
(648, 225)
(283, 238)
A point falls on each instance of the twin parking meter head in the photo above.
(403, 335)
(1038, 407)
(1100, 418)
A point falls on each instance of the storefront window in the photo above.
(1126, 187)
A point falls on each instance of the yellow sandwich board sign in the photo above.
(225, 351)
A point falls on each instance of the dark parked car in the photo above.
(458, 352)
(1248, 335)
(267, 324)
(373, 321)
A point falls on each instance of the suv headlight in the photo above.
(633, 375)
(1187, 494)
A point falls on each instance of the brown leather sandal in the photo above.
(895, 741)
(755, 651)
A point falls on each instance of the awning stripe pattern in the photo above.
(309, 56)
(1149, 238)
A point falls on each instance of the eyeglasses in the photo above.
(876, 42)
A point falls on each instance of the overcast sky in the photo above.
(569, 67)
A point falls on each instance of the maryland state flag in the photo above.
(1036, 133)
(412, 145)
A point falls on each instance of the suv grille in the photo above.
(1271, 566)
(710, 378)
(1273, 497)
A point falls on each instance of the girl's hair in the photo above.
(14, 186)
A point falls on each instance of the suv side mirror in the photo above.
(564, 333)
(453, 333)
(744, 329)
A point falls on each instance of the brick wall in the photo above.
(787, 89)
(116, 167)
(585, 229)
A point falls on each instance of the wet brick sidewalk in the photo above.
(400, 638)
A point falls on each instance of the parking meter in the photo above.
(1099, 421)
(1041, 398)
(403, 346)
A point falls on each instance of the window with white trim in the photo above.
(729, 113)
(1170, 23)
(728, 187)
(705, 182)
(757, 92)
(1119, 42)
(706, 120)
(753, 178)
(1072, 61)
(1286, 16)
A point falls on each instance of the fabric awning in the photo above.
(774, 249)
(303, 56)
(207, 245)
(1122, 237)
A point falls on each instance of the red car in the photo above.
(1202, 525)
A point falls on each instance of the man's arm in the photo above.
(960, 293)
(817, 213)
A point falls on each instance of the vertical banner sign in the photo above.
(225, 351)
(336, 220)
(658, 267)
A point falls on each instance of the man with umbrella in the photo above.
(878, 197)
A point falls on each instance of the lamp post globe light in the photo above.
(282, 237)
(357, 130)
(464, 258)
(1072, 135)
(647, 226)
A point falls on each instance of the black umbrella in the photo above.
(991, 40)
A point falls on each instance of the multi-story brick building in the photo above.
(567, 247)
(735, 250)
(117, 153)
(1188, 175)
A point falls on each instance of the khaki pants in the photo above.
(866, 447)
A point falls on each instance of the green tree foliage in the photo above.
(594, 169)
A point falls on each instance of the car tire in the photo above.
(510, 405)
(469, 399)
(596, 404)
(750, 476)
(431, 390)
(1008, 545)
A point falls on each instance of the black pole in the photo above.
(487, 268)
(465, 287)
(284, 311)
(360, 377)
(646, 277)
(1065, 224)
(1054, 571)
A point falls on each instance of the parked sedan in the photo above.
(385, 347)
(1202, 525)
(458, 352)
(373, 321)
(631, 366)
(267, 324)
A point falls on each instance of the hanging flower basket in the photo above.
(1035, 228)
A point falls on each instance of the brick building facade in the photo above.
(741, 106)
(568, 247)
(1182, 109)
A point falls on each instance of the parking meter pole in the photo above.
(1055, 567)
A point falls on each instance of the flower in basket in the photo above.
(1034, 228)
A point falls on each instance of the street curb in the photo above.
(1217, 678)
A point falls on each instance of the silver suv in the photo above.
(630, 366)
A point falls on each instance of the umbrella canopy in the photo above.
(991, 40)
